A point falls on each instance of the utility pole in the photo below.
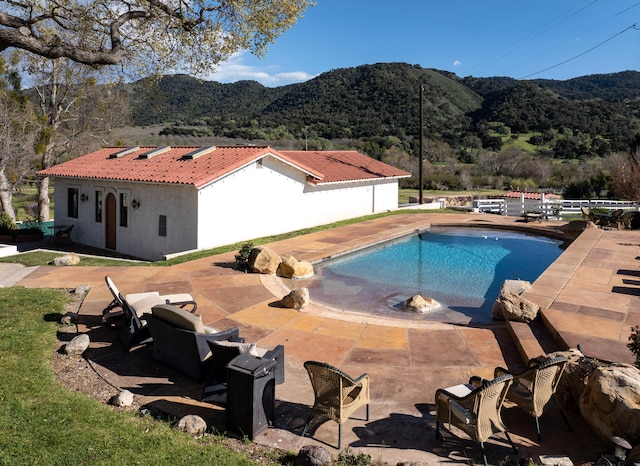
(421, 155)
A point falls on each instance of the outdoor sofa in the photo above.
(181, 340)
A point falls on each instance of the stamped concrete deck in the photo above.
(589, 296)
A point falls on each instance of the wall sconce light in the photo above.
(135, 204)
(84, 197)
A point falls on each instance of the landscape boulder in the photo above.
(290, 267)
(510, 305)
(296, 299)
(193, 425)
(264, 260)
(312, 455)
(422, 305)
(77, 345)
(610, 402)
(124, 399)
(67, 259)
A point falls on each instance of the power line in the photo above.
(633, 26)
(532, 35)
(577, 35)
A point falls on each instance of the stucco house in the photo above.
(152, 202)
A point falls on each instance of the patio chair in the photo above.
(222, 353)
(142, 302)
(474, 408)
(535, 387)
(624, 221)
(337, 395)
(133, 330)
(587, 215)
(63, 237)
(181, 340)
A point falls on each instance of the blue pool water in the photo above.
(462, 268)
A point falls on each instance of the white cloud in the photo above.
(457, 63)
(235, 69)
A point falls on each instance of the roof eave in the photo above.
(360, 180)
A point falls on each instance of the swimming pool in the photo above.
(462, 268)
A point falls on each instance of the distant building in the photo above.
(152, 202)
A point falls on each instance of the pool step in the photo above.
(532, 339)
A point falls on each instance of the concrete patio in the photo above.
(588, 296)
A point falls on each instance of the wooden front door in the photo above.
(111, 222)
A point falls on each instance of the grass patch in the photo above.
(28, 195)
(36, 258)
(43, 423)
(405, 194)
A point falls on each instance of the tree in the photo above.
(158, 34)
(73, 114)
(626, 174)
(17, 129)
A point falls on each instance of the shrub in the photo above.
(347, 458)
(242, 258)
(7, 225)
(634, 344)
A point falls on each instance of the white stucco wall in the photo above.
(140, 238)
(276, 198)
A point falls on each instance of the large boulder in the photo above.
(290, 267)
(574, 378)
(611, 402)
(297, 299)
(264, 260)
(422, 305)
(510, 305)
(67, 259)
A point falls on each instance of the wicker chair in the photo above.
(624, 221)
(587, 215)
(533, 388)
(474, 408)
(337, 395)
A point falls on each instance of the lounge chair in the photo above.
(181, 340)
(474, 408)
(222, 353)
(142, 302)
(132, 330)
(532, 389)
(337, 395)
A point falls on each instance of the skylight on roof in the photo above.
(154, 152)
(199, 152)
(121, 153)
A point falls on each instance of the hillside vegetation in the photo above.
(379, 104)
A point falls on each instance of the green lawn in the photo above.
(42, 423)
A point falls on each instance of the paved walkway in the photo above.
(589, 295)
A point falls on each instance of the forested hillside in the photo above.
(581, 117)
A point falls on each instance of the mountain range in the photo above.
(597, 113)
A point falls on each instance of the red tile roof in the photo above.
(173, 165)
(527, 195)
(344, 165)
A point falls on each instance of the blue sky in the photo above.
(550, 39)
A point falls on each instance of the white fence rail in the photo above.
(516, 207)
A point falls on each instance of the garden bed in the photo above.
(21, 236)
